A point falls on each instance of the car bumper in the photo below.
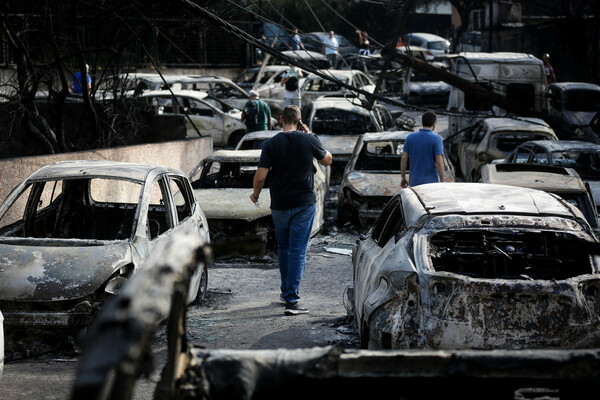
(37, 318)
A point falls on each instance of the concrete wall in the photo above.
(183, 155)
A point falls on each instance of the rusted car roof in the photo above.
(108, 169)
(531, 124)
(235, 155)
(484, 198)
(534, 176)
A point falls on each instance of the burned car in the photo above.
(315, 86)
(572, 107)
(494, 138)
(222, 185)
(477, 266)
(372, 176)
(421, 88)
(564, 182)
(339, 122)
(72, 233)
(583, 157)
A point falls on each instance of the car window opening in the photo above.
(510, 255)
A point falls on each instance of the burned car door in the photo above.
(206, 118)
(370, 284)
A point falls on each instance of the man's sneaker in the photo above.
(294, 309)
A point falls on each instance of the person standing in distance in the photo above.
(295, 42)
(75, 84)
(550, 76)
(425, 151)
(256, 114)
(288, 157)
(331, 49)
(290, 81)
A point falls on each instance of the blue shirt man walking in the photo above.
(425, 151)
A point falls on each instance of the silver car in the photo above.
(74, 232)
(477, 266)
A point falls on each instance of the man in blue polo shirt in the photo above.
(425, 151)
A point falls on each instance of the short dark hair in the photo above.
(428, 118)
(291, 114)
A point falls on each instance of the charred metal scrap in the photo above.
(306, 373)
(117, 345)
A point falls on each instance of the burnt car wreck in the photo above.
(222, 184)
(74, 232)
(477, 266)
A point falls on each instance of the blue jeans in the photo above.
(292, 231)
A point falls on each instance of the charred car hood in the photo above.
(50, 270)
(338, 144)
(233, 204)
(372, 184)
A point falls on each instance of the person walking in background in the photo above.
(288, 157)
(295, 42)
(256, 114)
(550, 76)
(290, 80)
(75, 84)
(365, 45)
(425, 151)
(331, 49)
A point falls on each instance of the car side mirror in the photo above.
(362, 236)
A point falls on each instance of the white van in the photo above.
(517, 76)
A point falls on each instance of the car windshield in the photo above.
(252, 144)
(587, 164)
(322, 85)
(440, 45)
(227, 174)
(102, 209)
(331, 121)
(508, 141)
(381, 156)
(583, 100)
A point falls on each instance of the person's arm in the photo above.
(259, 181)
(268, 116)
(284, 80)
(243, 117)
(327, 160)
(403, 164)
(439, 163)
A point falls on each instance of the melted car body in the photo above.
(223, 183)
(477, 266)
(372, 176)
(73, 233)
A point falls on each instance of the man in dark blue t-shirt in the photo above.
(425, 151)
(288, 156)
